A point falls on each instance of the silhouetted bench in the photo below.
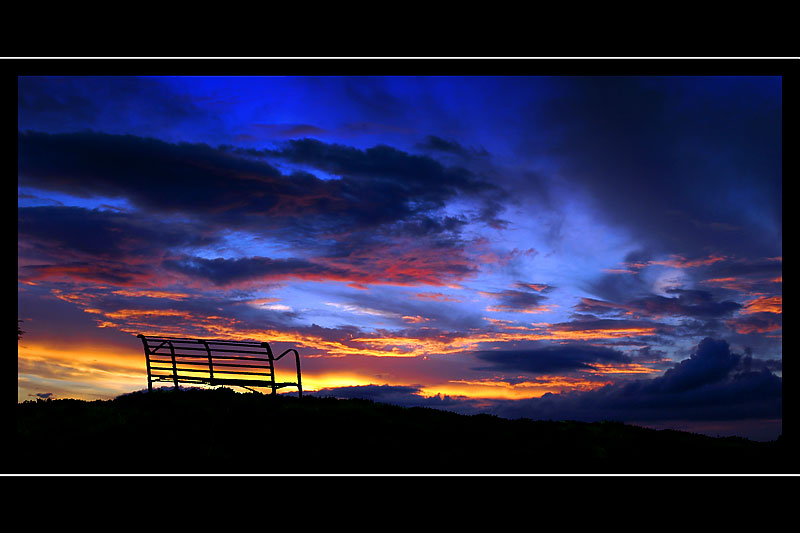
(214, 362)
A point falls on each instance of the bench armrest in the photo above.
(297, 362)
(287, 351)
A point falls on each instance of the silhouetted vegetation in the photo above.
(221, 431)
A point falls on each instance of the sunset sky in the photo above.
(585, 248)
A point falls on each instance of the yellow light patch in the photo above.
(501, 390)
(82, 372)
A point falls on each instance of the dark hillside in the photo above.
(221, 431)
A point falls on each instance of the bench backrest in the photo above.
(185, 360)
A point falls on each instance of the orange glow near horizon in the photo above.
(86, 372)
(503, 390)
(104, 372)
(331, 380)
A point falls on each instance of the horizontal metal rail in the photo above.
(216, 364)
(215, 350)
(223, 380)
(223, 373)
(205, 356)
(196, 341)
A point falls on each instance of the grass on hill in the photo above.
(222, 431)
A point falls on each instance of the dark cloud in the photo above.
(102, 234)
(616, 287)
(381, 186)
(581, 322)
(711, 385)
(385, 198)
(425, 225)
(226, 271)
(514, 300)
(751, 364)
(113, 272)
(640, 149)
(154, 175)
(550, 359)
(710, 363)
(693, 303)
(525, 297)
(122, 248)
(432, 143)
(419, 177)
(99, 245)
(756, 268)
(688, 303)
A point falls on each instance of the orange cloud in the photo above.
(681, 262)
(415, 319)
(675, 261)
(730, 283)
(765, 304)
(628, 368)
(152, 294)
(414, 346)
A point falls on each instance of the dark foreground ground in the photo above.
(221, 431)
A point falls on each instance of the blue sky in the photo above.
(516, 245)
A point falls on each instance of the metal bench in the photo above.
(214, 362)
